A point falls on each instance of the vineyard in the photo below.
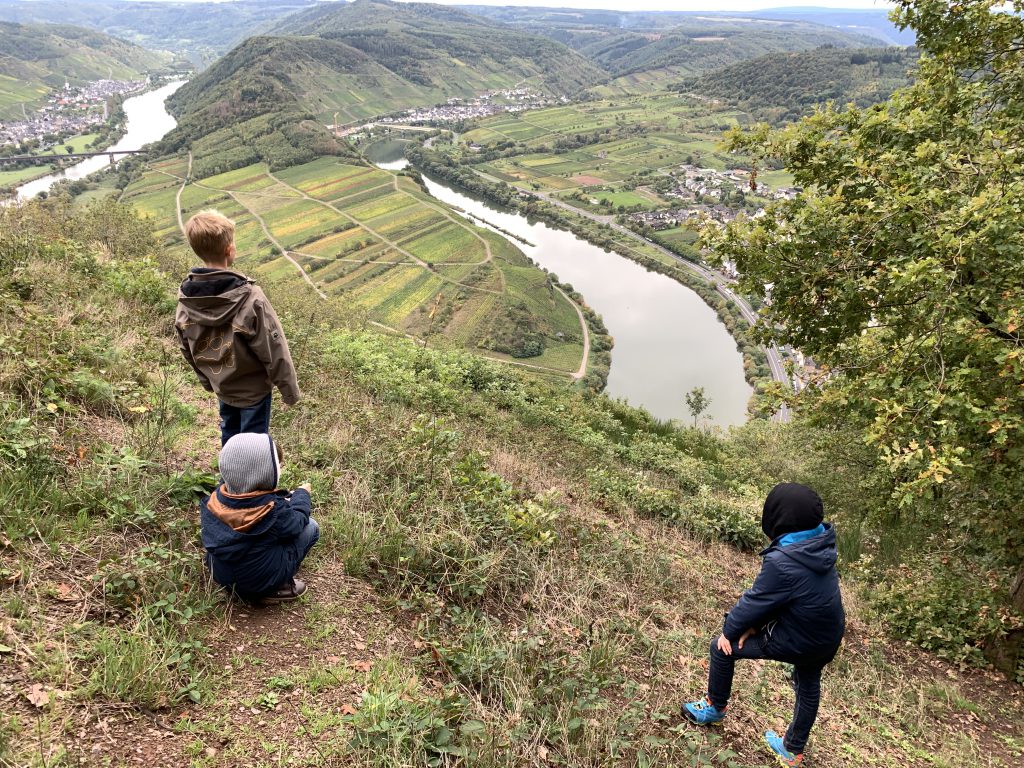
(376, 244)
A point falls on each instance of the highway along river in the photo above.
(667, 340)
(147, 121)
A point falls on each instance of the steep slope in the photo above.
(349, 62)
(35, 58)
(780, 87)
(511, 574)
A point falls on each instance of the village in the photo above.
(712, 195)
(483, 105)
(70, 111)
(710, 183)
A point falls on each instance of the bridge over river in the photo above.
(72, 155)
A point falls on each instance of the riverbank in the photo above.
(756, 369)
(667, 340)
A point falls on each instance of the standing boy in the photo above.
(793, 613)
(229, 333)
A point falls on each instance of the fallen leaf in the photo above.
(66, 593)
(348, 709)
(363, 666)
(37, 697)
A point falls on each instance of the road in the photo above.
(721, 283)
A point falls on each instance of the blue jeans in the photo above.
(806, 681)
(304, 542)
(233, 420)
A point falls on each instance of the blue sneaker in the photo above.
(703, 712)
(778, 749)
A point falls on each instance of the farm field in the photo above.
(374, 242)
(611, 148)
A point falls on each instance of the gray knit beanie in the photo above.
(248, 462)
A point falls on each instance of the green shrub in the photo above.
(950, 611)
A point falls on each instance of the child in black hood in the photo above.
(793, 613)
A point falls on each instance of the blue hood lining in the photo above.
(796, 536)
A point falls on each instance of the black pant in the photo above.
(806, 681)
(233, 420)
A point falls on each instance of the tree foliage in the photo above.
(899, 271)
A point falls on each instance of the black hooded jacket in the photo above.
(795, 600)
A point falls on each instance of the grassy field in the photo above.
(379, 245)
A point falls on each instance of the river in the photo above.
(146, 121)
(667, 340)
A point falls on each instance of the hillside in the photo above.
(632, 42)
(36, 58)
(781, 87)
(354, 61)
(439, 47)
(510, 573)
(199, 30)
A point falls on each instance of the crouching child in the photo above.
(793, 613)
(255, 534)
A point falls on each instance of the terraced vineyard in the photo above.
(376, 243)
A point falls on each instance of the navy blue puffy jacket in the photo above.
(795, 599)
(259, 560)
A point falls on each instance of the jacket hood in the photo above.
(791, 507)
(212, 297)
(816, 553)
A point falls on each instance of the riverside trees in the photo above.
(898, 270)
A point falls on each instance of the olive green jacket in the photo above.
(231, 336)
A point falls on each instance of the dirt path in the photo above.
(177, 198)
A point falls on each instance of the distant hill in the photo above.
(442, 48)
(624, 43)
(368, 58)
(781, 87)
(864, 21)
(199, 30)
(36, 58)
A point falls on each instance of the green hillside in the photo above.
(354, 61)
(439, 47)
(36, 58)
(511, 573)
(781, 87)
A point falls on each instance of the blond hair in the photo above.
(210, 233)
